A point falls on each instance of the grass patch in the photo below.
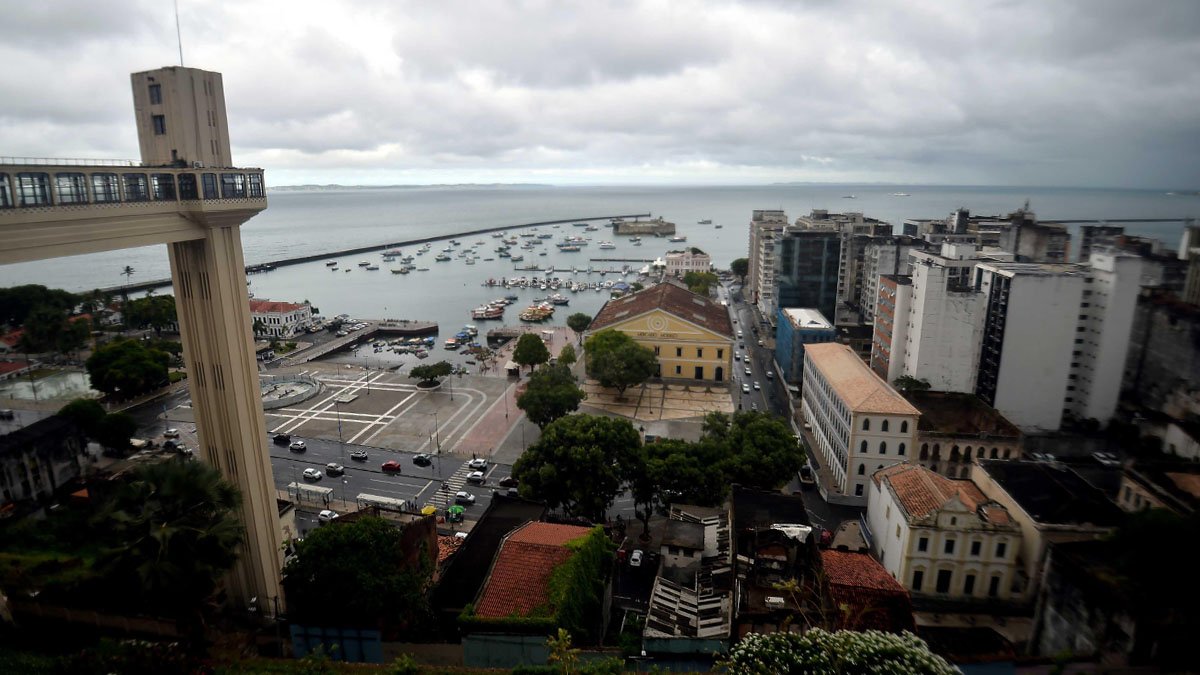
(176, 375)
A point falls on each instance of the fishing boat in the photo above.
(517, 258)
(565, 248)
(422, 269)
(678, 238)
(373, 267)
(442, 257)
(545, 235)
(450, 344)
(559, 299)
(704, 222)
(364, 263)
(402, 270)
(331, 263)
(591, 228)
(607, 245)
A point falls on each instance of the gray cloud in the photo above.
(1084, 92)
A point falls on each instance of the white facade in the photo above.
(893, 312)
(882, 255)
(765, 229)
(1109, 304)
(280, 319)
(860, 424)
(680, 263)
(964, 548)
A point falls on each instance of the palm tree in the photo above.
(174, 532)
(128, 272)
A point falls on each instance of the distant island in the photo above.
(443, 186)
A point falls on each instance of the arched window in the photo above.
(967, 454)
(924, 451)
(1007, 453)
(937, 451)
(963, 472)
(862, 447)
(862, 469)
(883, 426)
(900, 451)
(904, 426)
(995, 453)
(954, 456)
(866, 424)
(883, 446)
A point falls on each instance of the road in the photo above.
(749, 356)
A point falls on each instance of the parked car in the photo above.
(312, 474)
(635, 558)
(390, 466)
(359, 455)
(770, 375)
(509, 482)
(335, 469)
(298, 446)
(806, 475)
(171, 433)
(478, 464)
(745, 389)
(475, 477)
(423, 459)
(756, 387)
(464, 498)
(282, 439)
(326, 516)
(748, 373)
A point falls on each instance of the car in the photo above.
(739, 334)
(748, 373)
(460, 535)
(464, 498)
(281, 439)
(171, 433)
(298, 446)
(390, 466)
(359, 455)
(806, 475)
(754, 406)
(760, 343)
(341, 333)
(423, 459)
(7, 414)
(326, 516)
(475, 477)
(745, 389)
(335, 469)
(770, 375)
(171, 445)
(756, 387)
(478, 464)
(509, 482)
(635, 558)
(312, 474)
(737, 357)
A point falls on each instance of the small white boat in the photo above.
(331, 263)
(364, 263)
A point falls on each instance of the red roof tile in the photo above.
(864, 594)
(859, 570)
(921, 491)
(272, 306)
(670, 298)
(12, 366)
(516, 584)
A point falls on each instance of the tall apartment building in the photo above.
(855, 232)
(181, 118)
(1055, 337)
(891, 325)
(858, 422)
(807, 275)
(1018, 233)
(881, 256)
(765, 227)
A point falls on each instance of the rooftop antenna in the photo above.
(178, 35)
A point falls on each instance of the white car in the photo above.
(745, 389)
(478, 464)
(312, 474)
(748, 372)
(756, 387)
(171, 433)
(770, 375)
(464, 498)
(635, 558)
(326, 515)
(475, 477)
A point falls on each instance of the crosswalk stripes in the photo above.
(444, 496)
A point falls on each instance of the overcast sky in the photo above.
(1087, 93)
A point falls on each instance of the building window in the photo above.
(858, 490)
(1001, 549)
(137, 188)
(866, 424)
(233, 185)
(105, 188)
(883, 444)
(969, 585)
(900, 450)
(209, 181)
(657, 350)
(976, 546)
(918, 578)
(255, 183)
(897, 530)
(6, 197)
(904, 426)
(72, 188)
(994, 586)
(160, 124)
(155, 94)
(679, 352)
(699, 352)
(862, 469)
(883, 426)
(862, 448)
(943, 580)
(187, 186)
(699, 372)
(163, 186)
(720, 353)
(923, 544)
(34, 188)
(949, 547)
(678, 370)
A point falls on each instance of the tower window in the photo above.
(160, 124)
(155, 94)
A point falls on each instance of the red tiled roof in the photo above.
(859, 570)
(855, 383)
(670, 298)
(922, 491)
(516, 584)
(12, 366)
(13, 337)
(864, 594)
(272, 307)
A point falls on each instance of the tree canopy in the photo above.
(566, 355)
(579, 322)
(50, 329)
(154, 311)
(430, 373)
(574, 465)
(740, 267)
(357, 574)
(530, 351)
(17, 302)
(700, 282)
(550, 394)
(115, 430)
(907, 383)
(128, 367)
(85, 412)
(615, 360)
(843, 651)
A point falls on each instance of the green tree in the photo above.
(85, 412)
(758, 449)
(567, 355)
(357, 574)
(49, 329)
(615, 360)
(550, 394)
(17, 302)
(429, 374)
(687, 473)
(562, 654)
(154, 311)
(906, 383)
(530, 351)
(740, 267)
(259, 327)
(700, 282)
(573, 465)
(579, 322)
(127, 367)
(115, 430)
(173, 532)
(843, 651)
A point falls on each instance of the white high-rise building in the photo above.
(761, 284)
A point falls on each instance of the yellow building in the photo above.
(690, 333)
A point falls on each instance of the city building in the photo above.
(794, 329)
(940, 537)
(890, 331)
(807, 274)
(864, 595)
(858, 422)
(517, 584)
(765, 228)
(691, 334)
(279, 319)
(957, 429)
(1163, 366)
(883, 256)
(1018, 233)
(1160, 485)
(1050, 504)
(39, 459)
(855, 232)
(181, 118)
(692, 259)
